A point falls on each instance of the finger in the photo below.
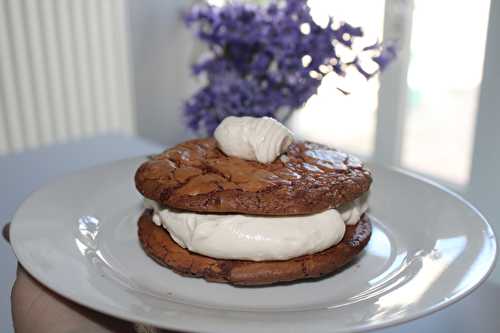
(23, 296)
(36, 308)
(29, 298)
(5, 232)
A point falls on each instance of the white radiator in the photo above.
(64, 71)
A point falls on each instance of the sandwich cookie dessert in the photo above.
(253, 206)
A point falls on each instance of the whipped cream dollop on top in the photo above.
(256, 238)
(259, 139)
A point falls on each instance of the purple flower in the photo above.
(265, 59)
(387, 55)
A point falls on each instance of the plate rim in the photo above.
(179, 326)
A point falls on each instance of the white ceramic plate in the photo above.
(429, 248)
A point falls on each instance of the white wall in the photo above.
(162, 49)
(484, 188)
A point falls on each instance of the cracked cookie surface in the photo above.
(197, 176)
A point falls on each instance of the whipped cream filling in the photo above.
(259, 139)
(352, 211)
(257, 238)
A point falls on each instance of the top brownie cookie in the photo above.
(197, 176)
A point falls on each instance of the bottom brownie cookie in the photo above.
(158, 244)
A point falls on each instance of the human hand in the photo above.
(35, 308)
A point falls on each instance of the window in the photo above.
(330, 117)
(443, 85)
(444, 76)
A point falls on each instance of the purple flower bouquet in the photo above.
(267, 61)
